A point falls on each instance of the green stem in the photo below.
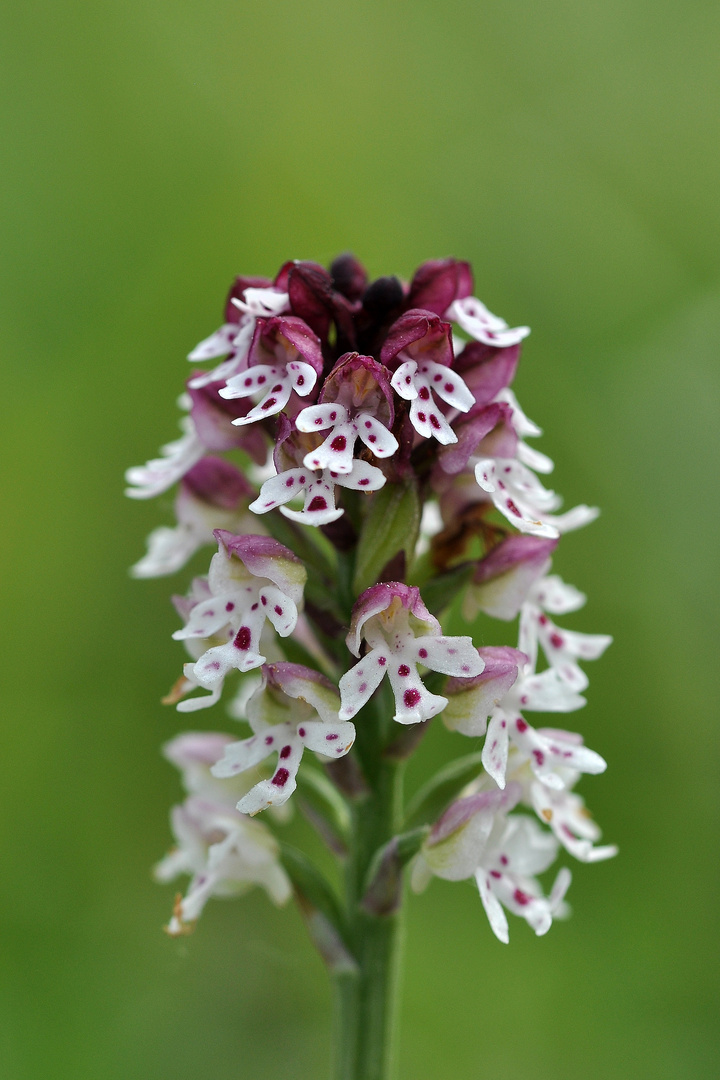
(365, 1000)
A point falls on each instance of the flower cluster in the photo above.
(380, 415)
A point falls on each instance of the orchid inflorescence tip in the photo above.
(355, 456)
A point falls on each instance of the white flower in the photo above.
(336, 453)
(226, 854)
(475, 838)
(401, 634)
(518, 494)
(548, 752)
(251, 579)
(416, 382)
(295, 708)
(178, 457)
(562, 648)
(319, 488)
(236, 337)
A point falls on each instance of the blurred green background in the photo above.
(151, 151)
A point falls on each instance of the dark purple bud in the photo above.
(281, 278)
(486, 369)
(238, 287)
(349, 276)
(438, 283)
(420, 335)
(382, 296)
(311, 296)
(217, 482)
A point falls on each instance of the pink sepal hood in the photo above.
(379, 598)
(265, 557)
(502, 579)
(419, 335)
(438, 283)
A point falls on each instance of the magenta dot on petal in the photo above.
(280, 778)
(286, 752)
(243, 638)
(422, 653)
(403, 670)
(269, 740)
(301, 732)
(410, 698)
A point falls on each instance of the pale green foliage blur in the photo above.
(153, 149)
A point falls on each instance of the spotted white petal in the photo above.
(280, 489)
(332, 740)
(161, 473)
(319, 417)
(447, 384)
(218, 344)
(449, 655)
(279, 609)
(319, 507)
(493, 908)
(207, 618)
(495, 750)
(359, 683)
(376, 436)
(363, 477)
(336, 453)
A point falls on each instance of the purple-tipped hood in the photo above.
(265, 557)
(502, 664)
(419, 335)
(361, 384)
(459, 813)
(503, 578)
(379, 598)
(454, 458)
(283, 338)
(438, 282)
